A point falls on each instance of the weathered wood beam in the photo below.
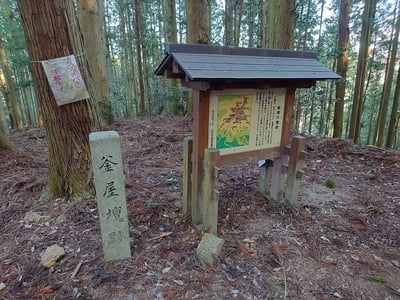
(211, 194)
(187, 174)
(296, 159)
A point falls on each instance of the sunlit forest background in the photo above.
(135, 32)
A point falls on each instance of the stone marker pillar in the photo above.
(110, 190)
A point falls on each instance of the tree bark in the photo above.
(394, 115)
(387, 87)
(51, 31)
(138, 33)
(197, 22)
(366, 29)
(262, 36)
(229, 22)
(280, 24)
(342, 58)
(251, 23)
(9, 91)
(198, 31)
(3, 120)
(238, 19)
(171, 35)
(5, 143)
(91, 27)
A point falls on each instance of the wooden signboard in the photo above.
(243, 100)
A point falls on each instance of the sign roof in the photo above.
(216, 63)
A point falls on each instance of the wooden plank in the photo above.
(211, 194)
(296, 160)
(187, 174)
(169, 74)
(201, 100)
(278, 178)
(264, 180)
(196, 85)
(249, 156)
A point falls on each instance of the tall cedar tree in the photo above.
(394, 116)
(51, 31)
(387, 87)
(366, 31)
(9, 90)
(198, 31)
(280, 24)
(343, 54)
(171, 36)
(94, 40)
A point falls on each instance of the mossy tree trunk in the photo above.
(5, 143)
(51, 31)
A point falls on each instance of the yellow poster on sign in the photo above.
(246, 120)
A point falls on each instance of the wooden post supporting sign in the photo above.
(294, 174)
(210, 191)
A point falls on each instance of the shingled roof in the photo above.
(205, 63)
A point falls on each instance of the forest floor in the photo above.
(337, 243)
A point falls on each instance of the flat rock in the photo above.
(51, 255)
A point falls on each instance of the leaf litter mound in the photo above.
(340, 241)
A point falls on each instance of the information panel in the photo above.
(245, 120)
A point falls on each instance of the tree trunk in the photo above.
(230, 6)
(312, 108)
(280, 24)
(387, 87)
(251, 23)
(394, 115)
(329, 111)
(138, 33)
(198, 31)
(5, 143)
(238, 21)
(366, 29)
(197, 22)
(342, 58)
(171, 35)
(91, 27)
(51, 31)
(125, 48)
(3, 120)
(9, 91)
(262, 36)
